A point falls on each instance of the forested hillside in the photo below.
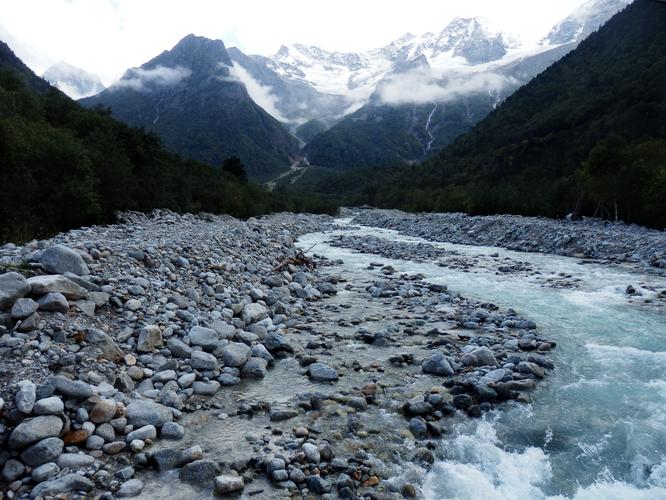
(63, 166)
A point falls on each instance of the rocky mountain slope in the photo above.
(190, 97)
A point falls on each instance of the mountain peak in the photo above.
(75, 82)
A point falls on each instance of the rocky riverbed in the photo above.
(589, 238)
(181, 356)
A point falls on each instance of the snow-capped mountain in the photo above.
(463, 42)
(584, 20)
(75, 82)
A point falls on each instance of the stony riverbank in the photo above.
(164, 357)
(590, 238)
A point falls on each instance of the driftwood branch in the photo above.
(300, 259)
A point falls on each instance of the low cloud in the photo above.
(261, 94)
(162, 76)
(419, 87)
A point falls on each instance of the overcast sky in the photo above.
(108, 36)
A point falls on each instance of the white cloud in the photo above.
(418, 87)
(261, 94)
(106, 37)
(137, 78)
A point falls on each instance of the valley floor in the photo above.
(190, 356)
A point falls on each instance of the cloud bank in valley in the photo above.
(261, 94)
(419, 87)
(139, 79)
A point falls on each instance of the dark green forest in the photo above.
(64, 166)
(587, 136)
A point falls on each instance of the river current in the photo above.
(597, 426)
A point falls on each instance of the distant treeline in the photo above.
(63, 167)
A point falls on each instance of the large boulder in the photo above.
(253, 313)
(34, 429)
(141, 412)
(46, 450)
(23, 308)
(204, 337)
(60, 260)
(254, 368)
(53, 302)
(54, 283)
(200, 360)
(13, 286)
(235, 354)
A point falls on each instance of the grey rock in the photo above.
(53, 302)
(485, 356)
(200, 360)
(311, 453)
(74, 389)
(253, 313)
(74, 461)
(49, 406)
(25, 397)
(235, 354)
(322, 372)
(199, 472)
(276, 342)
(280, 413)
(259, 351)
(131, 488)
(179, 348)
(418, 427)
(143, 433)
(12, 470)
(34, 429)
(55, 283)
(206, 388)
(65, 484)
(150, 338)
(141, 412)
(317, 484)
(172, 430)
(204, 337)
(23, 308)
(254, 368)
(13, 286)
(60, 260)
(437, 364)
(46, 450)
(106, 431)
(95, 442)
(531, 369)
(44, 472)
(108, 346)
(87, 307)
(224, 485)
